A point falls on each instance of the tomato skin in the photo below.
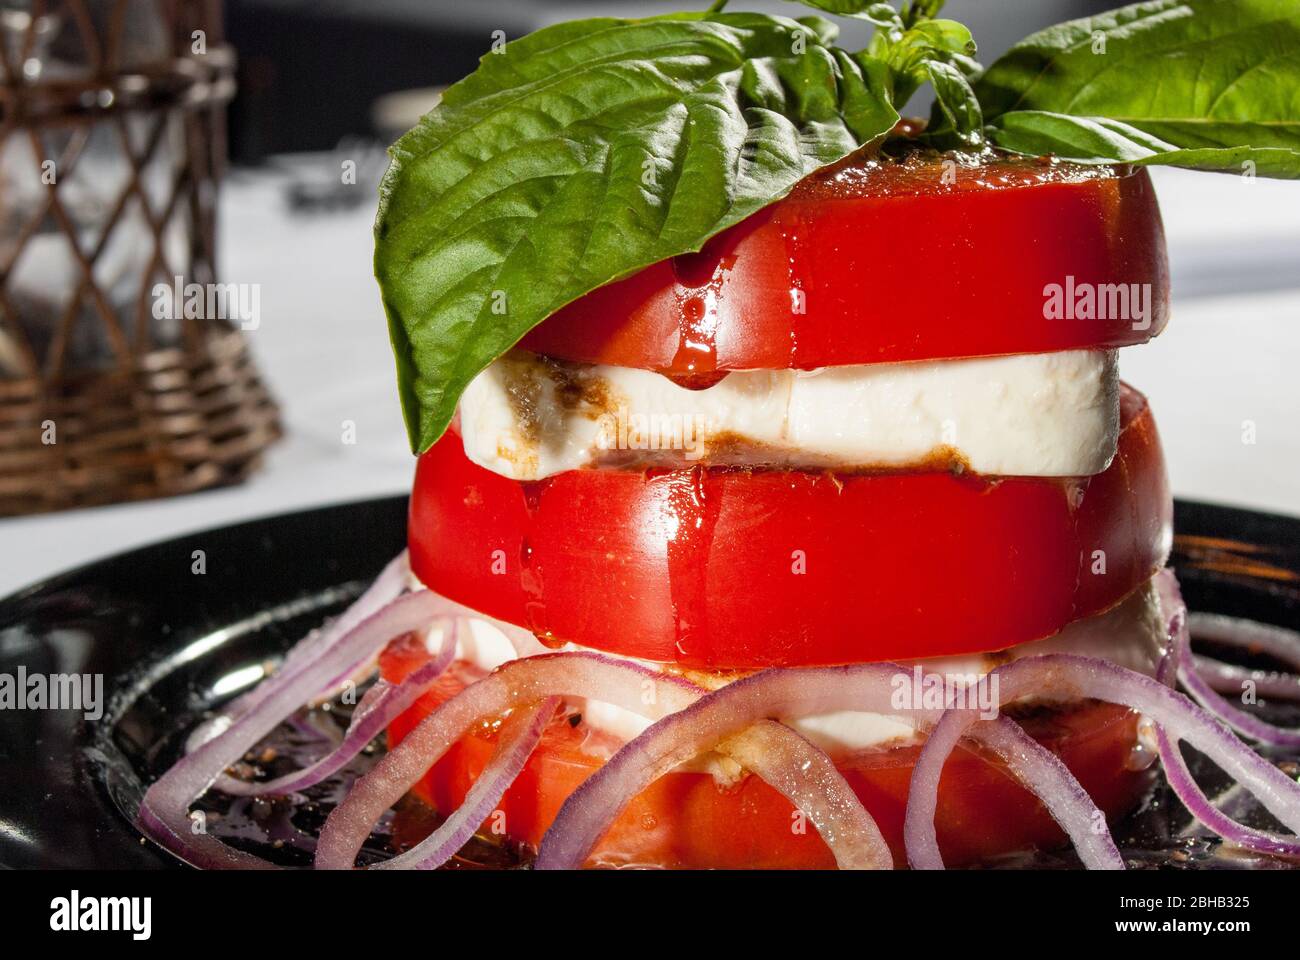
(725, 568)
(685, 821)
(897, 267)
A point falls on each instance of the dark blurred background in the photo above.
(311, 71)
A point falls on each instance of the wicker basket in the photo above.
(178, 421)
(100, 399)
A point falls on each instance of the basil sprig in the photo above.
(1210, 84)
(584, 152)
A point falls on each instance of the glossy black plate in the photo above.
(171, 642)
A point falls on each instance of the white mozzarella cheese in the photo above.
(1042, 415)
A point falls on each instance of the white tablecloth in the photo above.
(1229, 356)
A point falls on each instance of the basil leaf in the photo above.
(1204, 78)
(915, 11)
(908, 51)
(824, 30)
(956, 108)
(883, 15)
(583, 153)
(843, 8)
(1102, 140)
(944, 37)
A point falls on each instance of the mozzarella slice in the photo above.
(1131, 635)
(1039, 415)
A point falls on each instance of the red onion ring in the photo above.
(590, 809)
(514, 684)
(519, 737)
(1201, 691)
(1230, 678)
(1277, 642)
(164, 810)
(1180, 778)
(1257, 637)
(386, 588)
(732, 721)
(1281, 644)
(796, 768)
(381, 704)
(1203, 809)
(808, 778)
(1043, 773)
(1088, 677)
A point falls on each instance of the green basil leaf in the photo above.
(914, 11)
(883, 15)
(971, 68)
(583, 153)
(844, 8)
(945, 36)
(824, 30)
(1083, 139)
(1201, 76)
(956, 108)
(907, 51)
(1102, 140)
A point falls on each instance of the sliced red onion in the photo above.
(732, 720)
(519, 737)
(1041, 772)
(1241, 721)
(1180, 778)
(817, 788)
(164, 811)
(808, 778)
(675, 739)
(1203, 809)
(1279, 643)
(387, 587)
(381, 704)
(512, 685)
(178, 834)
(1078, 677)
(1230, 678)
(781, 693)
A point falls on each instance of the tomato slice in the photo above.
(684, 820)
(729, 568)
(902, 261)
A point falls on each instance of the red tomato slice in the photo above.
(729, 568)
(684, 820)
(869, 265)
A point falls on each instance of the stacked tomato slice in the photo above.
(726, 569)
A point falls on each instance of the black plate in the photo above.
(169, 642)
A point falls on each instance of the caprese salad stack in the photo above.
(891, 462)
(825, 534)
